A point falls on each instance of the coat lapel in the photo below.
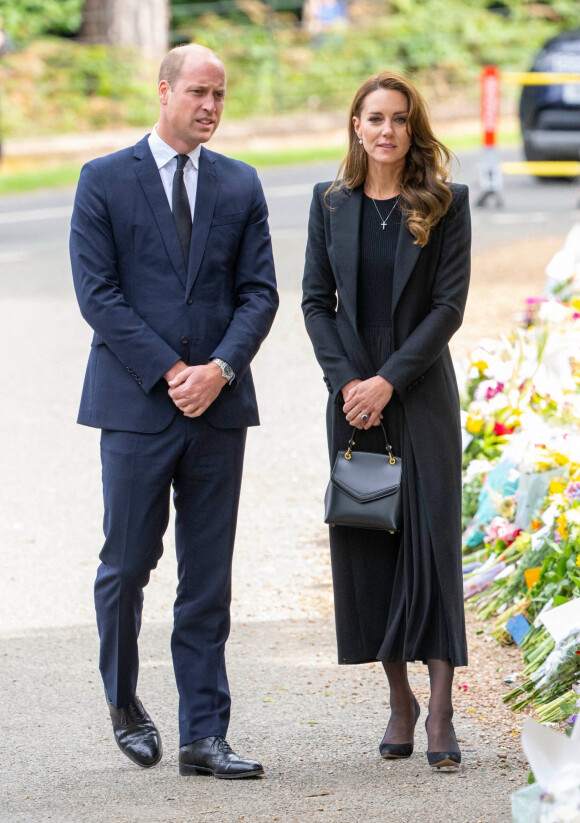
(207, 190)
(148, 175)
(406, 256)
(345, 217)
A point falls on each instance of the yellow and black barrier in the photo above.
(538, 78)
(491, 168)
(543, 168)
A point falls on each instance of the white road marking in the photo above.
(33, 215)
(289, 234)
(296, 190)
(513, 218)
(13, 257)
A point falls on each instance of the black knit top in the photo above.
(377, 261)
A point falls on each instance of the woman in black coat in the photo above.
(385, 285)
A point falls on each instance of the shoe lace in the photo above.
(223, 746)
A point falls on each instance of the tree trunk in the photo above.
(140, 23)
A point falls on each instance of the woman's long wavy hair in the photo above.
(425, 197)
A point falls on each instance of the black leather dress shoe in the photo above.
(213, 755)
(136, 734)
(397, 751)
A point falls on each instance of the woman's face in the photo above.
(383, 126)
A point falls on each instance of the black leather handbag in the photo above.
(365, 489)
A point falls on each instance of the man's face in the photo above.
(192, 109)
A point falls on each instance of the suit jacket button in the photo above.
(189, 301)
(184, 340)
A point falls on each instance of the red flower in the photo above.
(499, 429)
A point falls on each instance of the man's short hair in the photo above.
(172, 63)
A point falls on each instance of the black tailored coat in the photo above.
(430, 287)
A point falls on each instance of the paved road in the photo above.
(34, 228)
(315, 725)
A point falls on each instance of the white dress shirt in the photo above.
(166, 159)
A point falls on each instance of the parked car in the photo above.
(550, 115)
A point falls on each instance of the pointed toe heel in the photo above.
(399, 751)
(439, 759)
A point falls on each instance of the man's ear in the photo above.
(163, 91)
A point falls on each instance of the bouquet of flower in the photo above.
(521, 488)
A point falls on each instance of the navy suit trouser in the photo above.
(204, 466)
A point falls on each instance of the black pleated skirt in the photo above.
(387, 593)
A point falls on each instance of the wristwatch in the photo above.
(227, 371)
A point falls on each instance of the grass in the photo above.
(15, 182)
(15, 179)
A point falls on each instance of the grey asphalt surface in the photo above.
(315, 726)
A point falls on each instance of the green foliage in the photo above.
(441, 43)
(59, 86)
(26, 19)
(274, 65)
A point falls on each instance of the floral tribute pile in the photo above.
(521, 491)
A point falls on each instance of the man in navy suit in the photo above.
(179, 306)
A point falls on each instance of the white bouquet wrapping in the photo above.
(555, 761)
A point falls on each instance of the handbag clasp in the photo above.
(347, 454)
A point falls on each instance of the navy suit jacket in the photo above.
(146, 309)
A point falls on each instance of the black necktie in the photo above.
(180, 207)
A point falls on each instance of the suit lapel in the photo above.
(406, 256)
(150, 180)
(207, 190)
(345, 217)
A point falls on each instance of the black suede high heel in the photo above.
(439, 759)
(399, 750)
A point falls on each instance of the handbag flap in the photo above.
(366, 476)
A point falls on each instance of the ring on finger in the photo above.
(364, 417)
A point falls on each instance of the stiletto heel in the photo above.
(399, 750)
(439, 759)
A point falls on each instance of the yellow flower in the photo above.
(557, 485)
(560, 459)
(578, 560)
(562, 527)
(473, 424)
(480, 365)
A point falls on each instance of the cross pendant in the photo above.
(383, 224)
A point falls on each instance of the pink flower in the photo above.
(492, 391)
(501, 529)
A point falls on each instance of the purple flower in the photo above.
(573, 491)
(576, 688)
(572, 719)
